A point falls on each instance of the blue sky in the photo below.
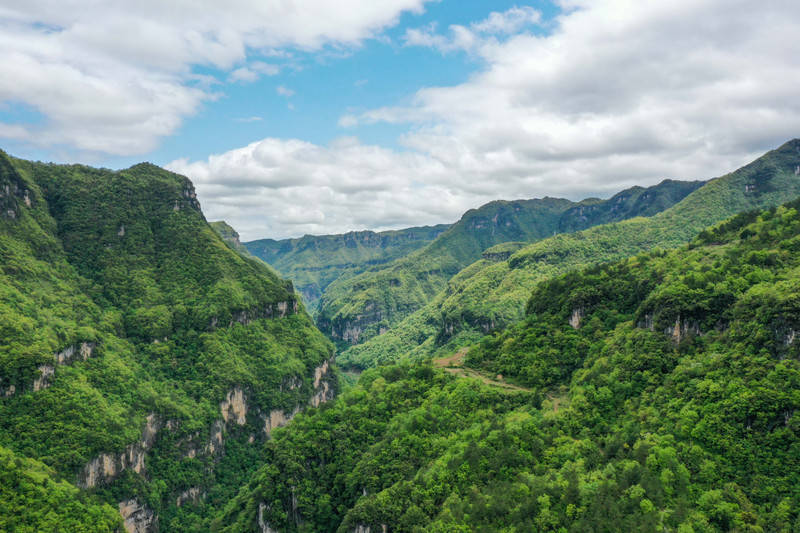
(307, 116)
(325, 83)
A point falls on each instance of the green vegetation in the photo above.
(488, 295)
(230, 236)
(621, 377)
(361, 307)
(660, 393)
(33, 501)
(125, 321)
(313, 262)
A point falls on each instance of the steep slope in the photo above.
(141, 358)
(660, 393)
(38, 503)
(230, 236)
(357, 309)
(313, 262)
(491, 293)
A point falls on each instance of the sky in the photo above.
(310, 116)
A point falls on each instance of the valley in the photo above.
(638, 368)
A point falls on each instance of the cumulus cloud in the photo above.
(114, 77)
(281, 187)
(478, 34)
(618, 93)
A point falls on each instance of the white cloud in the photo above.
(253, 71)
(294, 187)
(114, 77)
(284, 91)
(508, 22)
(478, 34)
(620, 93)
(249, 119)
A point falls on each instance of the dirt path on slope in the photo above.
(454, 364)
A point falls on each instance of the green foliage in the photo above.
(489, 295)
(662, 394)
(313, 262)
(381, 298)
(125, 263)
(33, 500)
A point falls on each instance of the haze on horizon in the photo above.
(309, 117)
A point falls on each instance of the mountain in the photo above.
(143, 362)
(656, 393)
(313, 262)
(492, 292)
(356, 309)
(230, 236)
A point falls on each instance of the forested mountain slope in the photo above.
(361, 307)
(313, 262)
(659, 393)
(230, 236)
(141, 358)
(491, 292)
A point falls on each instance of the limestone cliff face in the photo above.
(352, 329)
(234, 411)
(322, 392)
(75, 352)
(322, 388)
(14, 193)
(278, 418)
(234, 407)
(247, 316)
(577, 316)
(137, 518)
(193, 494)
(108, 466)
(682, 329)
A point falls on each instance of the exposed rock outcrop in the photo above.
(82, 351)
(193, 495)
(262, 523)
(322, 389)
(216, 439)
(361, 528)
(47, 372)
(278, 418)
(247, 316)
(323, 392)
(137, 517)
(349, 330)
(234, 407)
(577, 315)
(682, 330)
(108, 466)
(13, 192)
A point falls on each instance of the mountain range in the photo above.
(539, 365)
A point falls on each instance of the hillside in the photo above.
(659, 393)
(367, 305)
(141, 358)
(489, 294)
(230, 236)
(313, 262)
